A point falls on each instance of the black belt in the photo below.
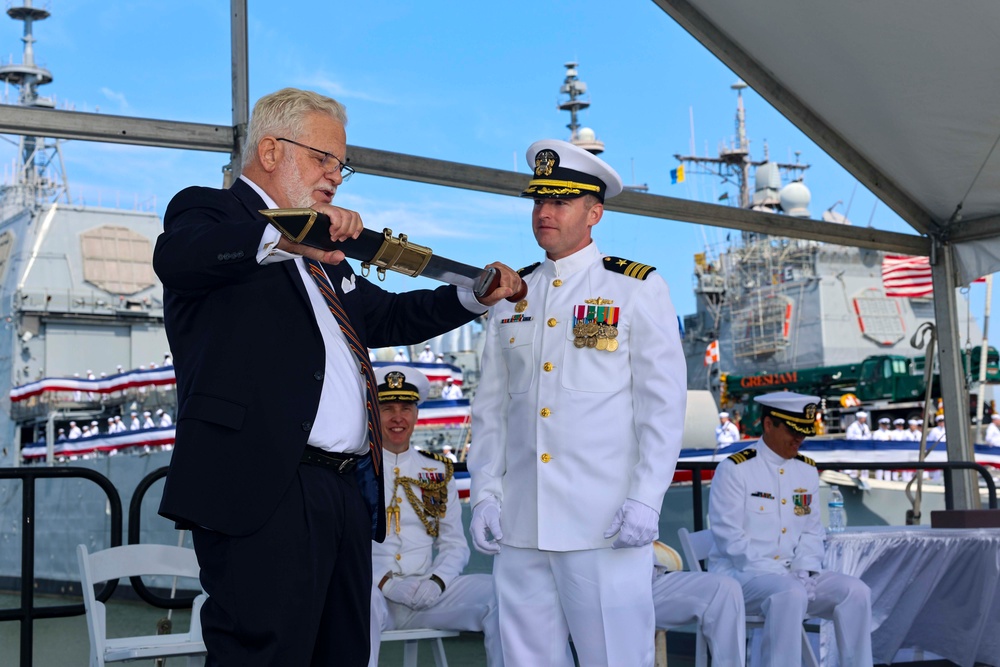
(342, 463)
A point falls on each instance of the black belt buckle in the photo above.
(342, 463)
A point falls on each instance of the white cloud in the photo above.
(116, 97)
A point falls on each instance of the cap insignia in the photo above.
(545, 162)
(395, 380)
(810, 411)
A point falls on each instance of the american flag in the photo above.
(906, 276)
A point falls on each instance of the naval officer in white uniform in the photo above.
(764, 513)
(416, 572)
(588, 378)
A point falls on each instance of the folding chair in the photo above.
(696, 547)
(130, 561)
(411, 638)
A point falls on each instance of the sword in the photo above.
(385, 252)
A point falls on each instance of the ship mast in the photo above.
(40, 175)
(584, 137)
(733, 163)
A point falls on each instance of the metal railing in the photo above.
(27, 612)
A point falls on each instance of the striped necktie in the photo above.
(337, 309)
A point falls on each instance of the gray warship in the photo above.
(772, 305)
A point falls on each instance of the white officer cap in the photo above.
(723, 415)
(899, 421)
(996, 416)
(884, 420)
(564, 171)
(913, 422)
(939, 418)
(862, 414)
(401, 383)
(798, 411)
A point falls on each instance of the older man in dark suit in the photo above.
(277, 467)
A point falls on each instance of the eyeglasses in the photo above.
(328, 162)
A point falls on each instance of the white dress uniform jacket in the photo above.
(468, 602)
(410, 552)
(993, 435)
(765, 515)
(726, 434)
(859, 431)
(562, 418)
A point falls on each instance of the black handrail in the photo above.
(27, 612)
(134, 519)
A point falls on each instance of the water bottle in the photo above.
(836, 515)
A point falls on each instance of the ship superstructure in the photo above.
(78, 295)
(775, 304)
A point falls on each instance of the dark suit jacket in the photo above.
(249, 358)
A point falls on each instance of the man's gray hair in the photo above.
(283, 113)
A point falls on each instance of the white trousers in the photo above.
(782, 599)
(468, 603)
(714, 601)
(600, 597)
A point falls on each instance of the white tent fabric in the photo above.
(902, 92)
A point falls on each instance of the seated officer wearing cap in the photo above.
(578, 421)
(764, 512)
(415, 572)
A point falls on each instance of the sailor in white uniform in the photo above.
(416, 572)
(726, 432)
(937, 434)
(915, 429)
(764, 513)
(147, 420)
(426, 355)
(451, 391)
(75, 431)
(588, 378)
(859, 429)
(165, 419)
(993, 431)
(713, 601)
(883, 433)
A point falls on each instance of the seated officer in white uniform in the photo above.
(416, 581)
(726, 432)
(713, 601)
(764, 513)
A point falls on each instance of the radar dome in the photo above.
(586, 134)
(795, 199)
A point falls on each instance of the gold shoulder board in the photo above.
(806, 460)
(745, 455)
(628, 268)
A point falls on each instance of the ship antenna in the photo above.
(584, 137)
(41, 173)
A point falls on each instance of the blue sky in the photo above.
(467, 82)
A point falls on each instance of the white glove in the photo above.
(637, 525)
(807, 581)
(401, 590)
(486, 516)
(426, 595)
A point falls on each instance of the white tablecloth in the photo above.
(932, 589)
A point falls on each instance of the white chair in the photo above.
(410, 639)
(696, 547)
(129, 561)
